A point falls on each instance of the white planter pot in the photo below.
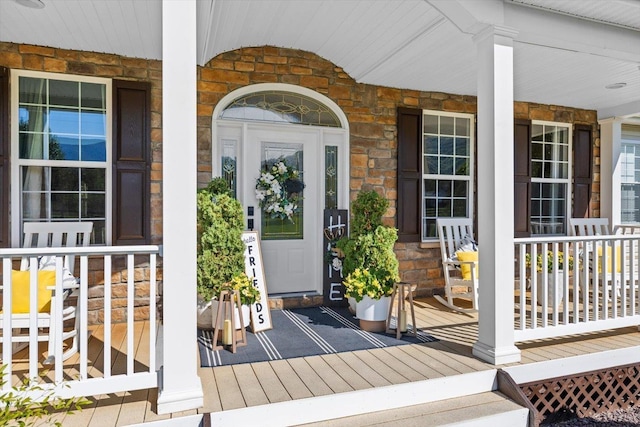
(207, 312)
(551, 280)
(373, 309)
(246, 315)
(352, 305)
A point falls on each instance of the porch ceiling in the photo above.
(565, 52)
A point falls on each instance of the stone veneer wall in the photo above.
(371, 111)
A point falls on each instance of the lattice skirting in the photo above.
(585, 394)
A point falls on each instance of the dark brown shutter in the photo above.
(522, 178)
(4, 157)
(131, 162)
(582, 170)
(409, 174)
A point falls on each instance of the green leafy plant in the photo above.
(368, 252)
(249, 294)
(18, 408)
(220, 256)
(539, 261)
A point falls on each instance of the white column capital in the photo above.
(499, 34)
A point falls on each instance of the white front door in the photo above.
(290, 248)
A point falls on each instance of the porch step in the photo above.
(484, 409)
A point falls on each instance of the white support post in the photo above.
(495, 197)
(180, 386)
(610, 169)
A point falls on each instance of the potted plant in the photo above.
(551, 278)
(370, 266)
(220, 251)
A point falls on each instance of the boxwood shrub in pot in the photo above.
(369, 264)
(220, 251)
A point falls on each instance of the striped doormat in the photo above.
(303, 332)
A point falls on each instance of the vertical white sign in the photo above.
(260, 314)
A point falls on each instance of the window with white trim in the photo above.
(630, 177)
(447, 149)
(550, 176)
(61, 149)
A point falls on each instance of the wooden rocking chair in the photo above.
(460, 265)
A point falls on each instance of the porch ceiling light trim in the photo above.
(33, 4)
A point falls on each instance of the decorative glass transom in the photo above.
(281, 107)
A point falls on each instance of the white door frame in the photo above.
(237, 131)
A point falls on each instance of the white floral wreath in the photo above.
(278, 190)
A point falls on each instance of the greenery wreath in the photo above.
(279, 189)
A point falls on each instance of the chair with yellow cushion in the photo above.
(459, 264)
(43, 278)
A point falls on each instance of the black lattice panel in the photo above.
(585, 394)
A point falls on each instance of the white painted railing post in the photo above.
(180, 388)
(495, 196)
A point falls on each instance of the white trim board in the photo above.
(359, 402)
(573, 365)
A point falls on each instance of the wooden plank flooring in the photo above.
(230, 387)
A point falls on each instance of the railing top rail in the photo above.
(562, 239)
(88, 250)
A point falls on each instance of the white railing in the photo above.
(122, 278)
(570, 285)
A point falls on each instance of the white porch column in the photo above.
(180, 386)
(495, 197)
(610, 169)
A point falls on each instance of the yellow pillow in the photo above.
(20, 290)
(466, 268)
(618, 259)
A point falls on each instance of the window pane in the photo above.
(444, 208)
(64, 179)
(93, 179)
(93, 96)
(64, 205)
(430, 188)
(462, 167)
(31, 146)
(331, 177)
(444, 189)
(62, 92)
(430, 144)
(93, 205)
(431, 165)
(32, 91)
(462, 126)
(460, 189)
(536, 151)
(462, 146)
(446, 125)
(446, 145)
(64, 147)
(459, 208)
(430, 123)
(446, 165)
(34, 205)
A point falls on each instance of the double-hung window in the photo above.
(550, 177)
(630, 177)
(447, 155)
(61, 150)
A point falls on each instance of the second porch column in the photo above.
(610, 169)
(180, 386)
(495, 197)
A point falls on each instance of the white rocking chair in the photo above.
(52, 234)
(452, 233)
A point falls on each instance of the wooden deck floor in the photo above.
(238, 386)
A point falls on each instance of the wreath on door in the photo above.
(279, 190)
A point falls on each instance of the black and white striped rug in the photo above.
(303, 332)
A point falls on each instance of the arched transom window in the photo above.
(281, 107)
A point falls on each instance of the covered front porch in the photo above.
(228, 388)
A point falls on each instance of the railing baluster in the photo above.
(84, 314)
(131, 293)
(107, 327)
(152, 312)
